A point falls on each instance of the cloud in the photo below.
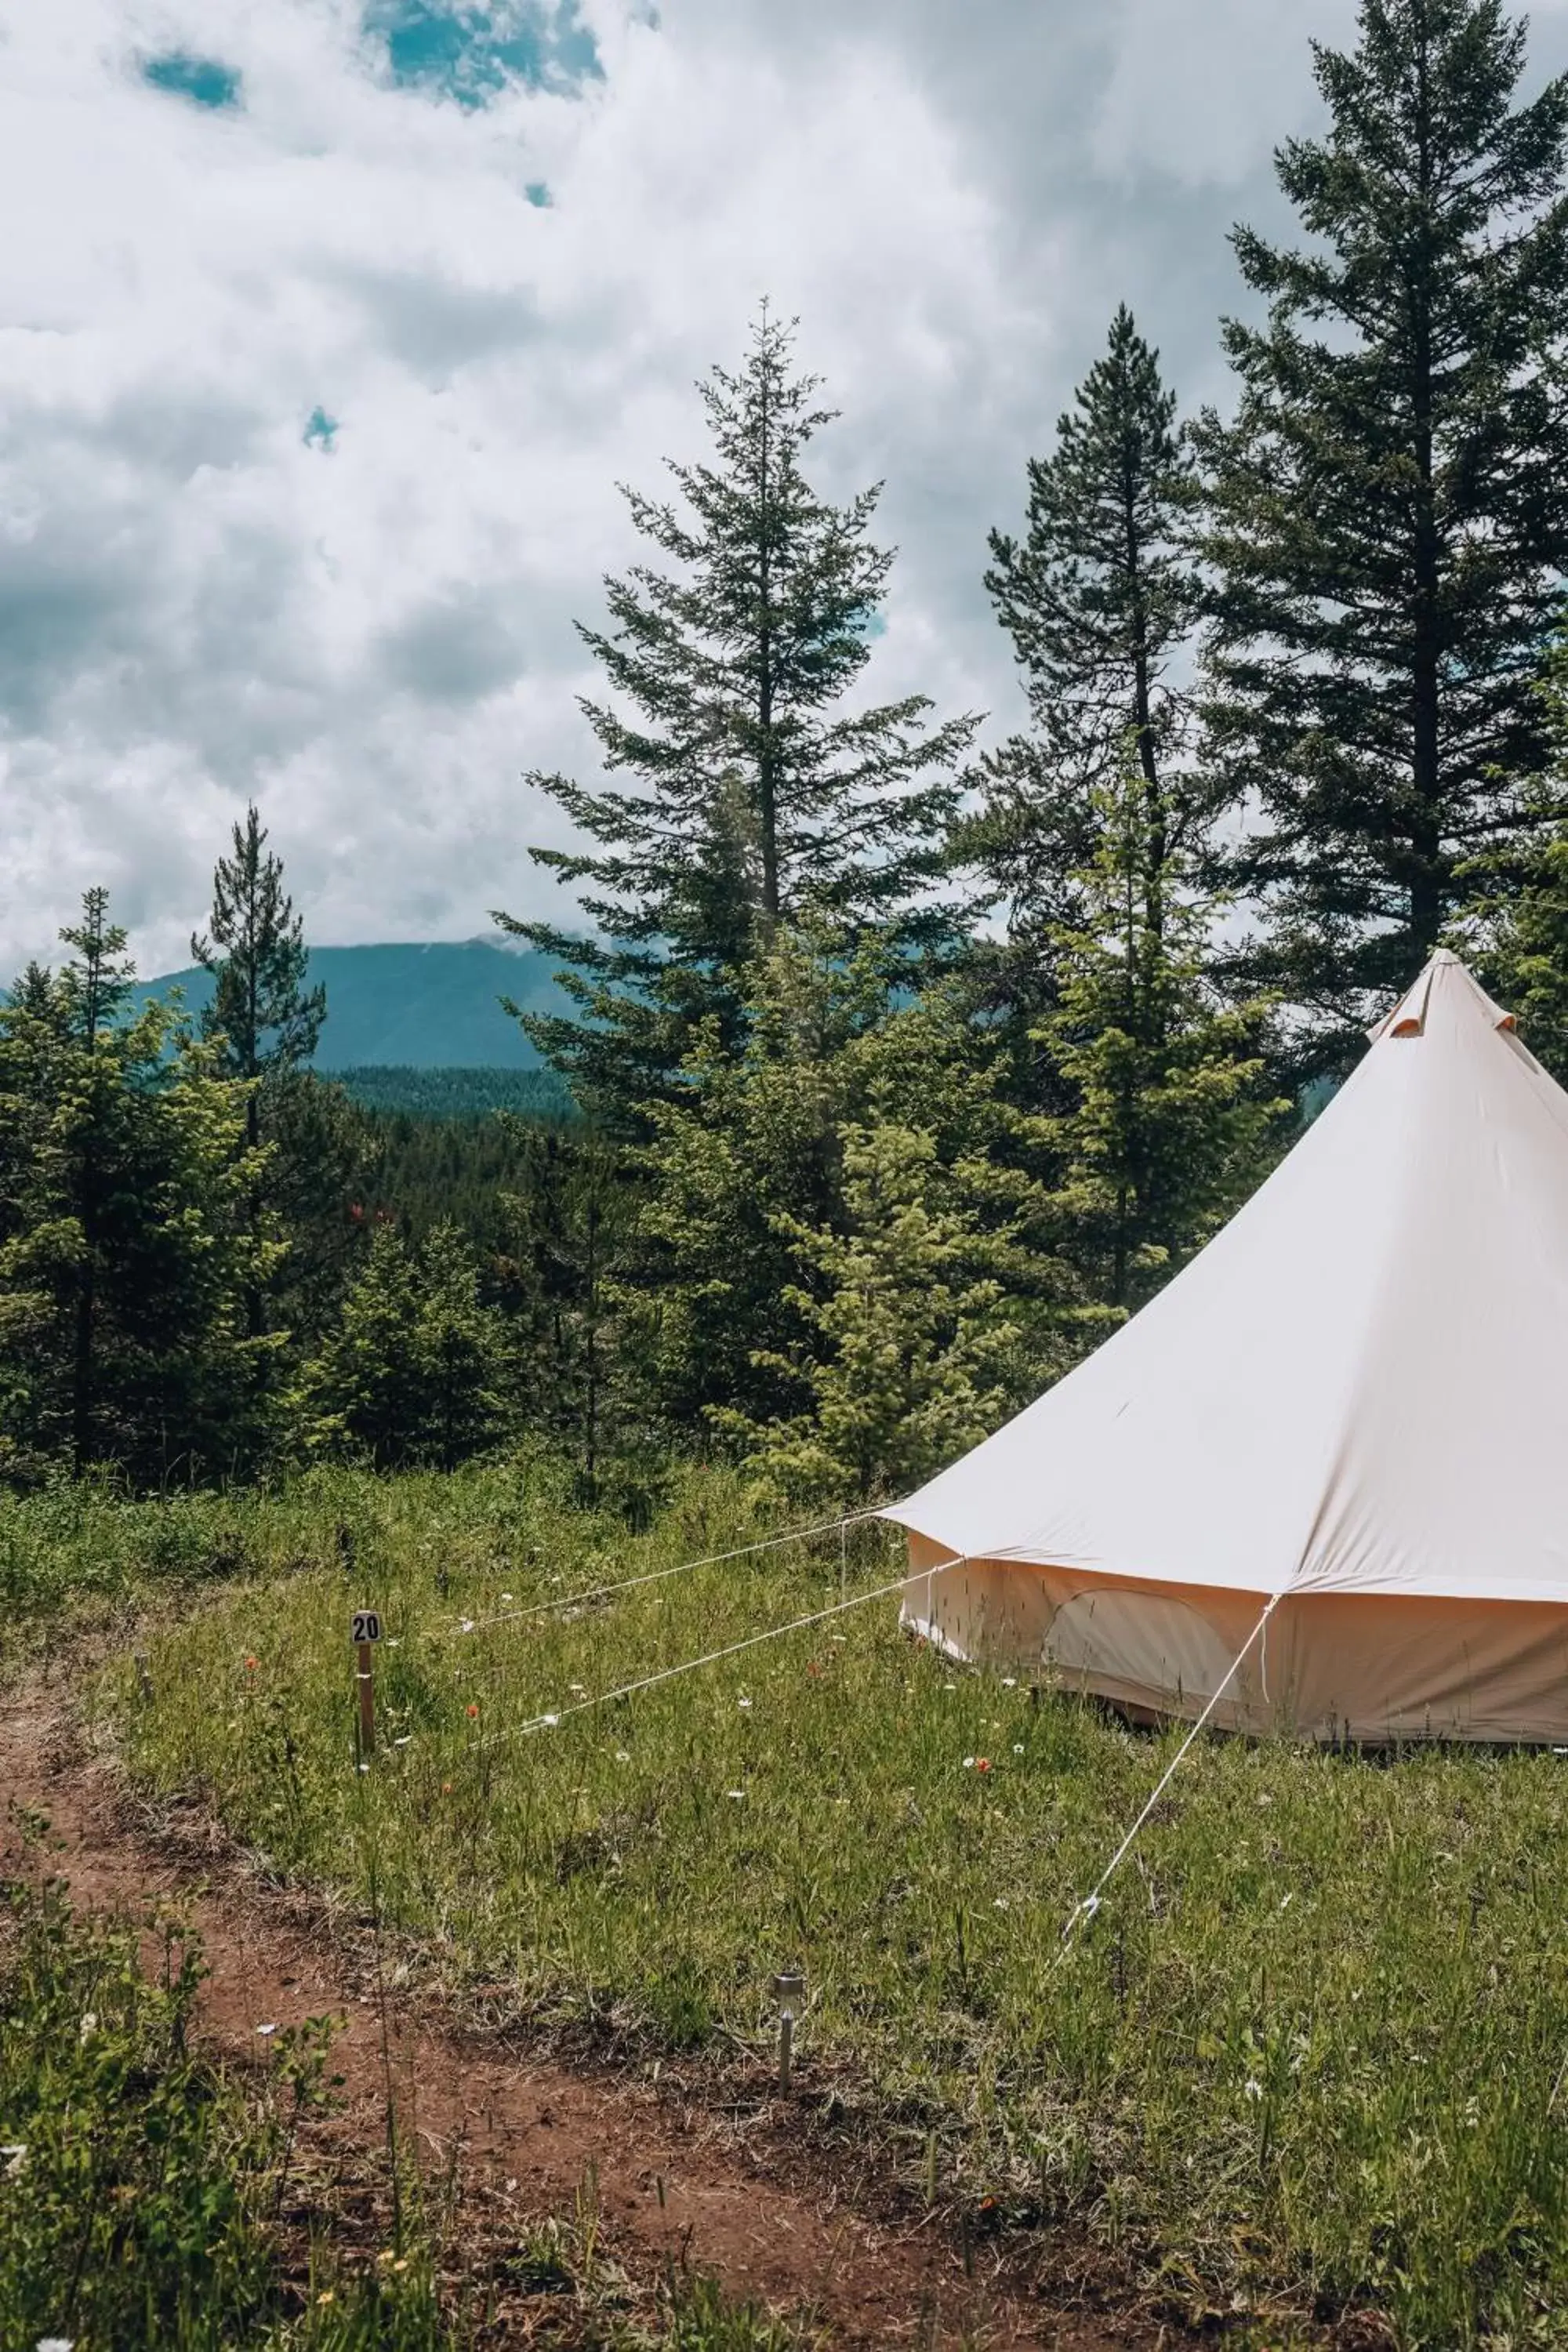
(336, 326)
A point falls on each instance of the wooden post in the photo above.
(364, 1633)
(366, 1702)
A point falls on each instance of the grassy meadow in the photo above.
(1312, 2053)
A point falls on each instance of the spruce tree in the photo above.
(849, 1108)
(1515, 930)
(754, 797)
(569, 1213)
(1172, 1123)
(1101, 601)
(267, 1021)
(123, 1266)
(1388, 509)
(412, 1375)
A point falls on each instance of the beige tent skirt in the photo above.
(1370, 1667)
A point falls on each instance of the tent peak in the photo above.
(1446, 972)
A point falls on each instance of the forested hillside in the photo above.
(409, 1005)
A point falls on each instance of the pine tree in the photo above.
(1515, 930)
(741, 1294)
(1101, 602)
(269, 1022)
(1172, 1123)
(925, 1321)
(1388, 510)
(122, 1266)
(754, 798)
(413, 1374)
(570, 1211)
(263, 1019)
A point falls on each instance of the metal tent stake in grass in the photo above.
(789, 1986)
(364, 1631)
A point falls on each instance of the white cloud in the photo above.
(375, 637)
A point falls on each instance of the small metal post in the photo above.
(789, 1985)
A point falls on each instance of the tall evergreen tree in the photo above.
(413, 1372)
(265, 1021)
(122, 1264)
(570, 1213)
(1388, 509)
(1101, 600)
(94, 988)
(268, 1019)
(1172, 1122)
(754, 797)
(847, 1106)
(1515, 930)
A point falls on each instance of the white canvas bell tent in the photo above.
(1352, 1403)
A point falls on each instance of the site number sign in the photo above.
(366, 1625)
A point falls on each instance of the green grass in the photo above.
(1312, 2053)
(140, 2186)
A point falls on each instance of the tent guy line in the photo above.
(1086, 1909)
(654, 1576)
(690, 1665)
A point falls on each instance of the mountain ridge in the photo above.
(426, 1004)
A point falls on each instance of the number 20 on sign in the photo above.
(364, 1631)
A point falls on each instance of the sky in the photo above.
(327, 329)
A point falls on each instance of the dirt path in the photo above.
(736, 2189)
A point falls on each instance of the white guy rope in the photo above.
(690, 1665)
(1090, 1902)
(653, 1576)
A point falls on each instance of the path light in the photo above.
(788, 1987)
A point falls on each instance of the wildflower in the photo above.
(622, 1757)
(813, 1668)
(983, 1763)
(578, 1690)
(473, 1706)
(1017, 1748)
(969, 1763)
(446, 1788)
(401, 2263)
(56, 2344)
(988, 2204)
(326, 2296)
(742, 1702)
(735, 1795)
(250, 1665)
(506, 1596)
(465, 1625)
(404, 1741)
(1254, 2088)
(1009, 1682)
(949, 1685)
(265, 2031)
(13, 2159)
(1000, 1903)
(88, 2027)
(550, 1721)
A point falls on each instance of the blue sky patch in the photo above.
(456, 49)
(322, 432)
(203, 80)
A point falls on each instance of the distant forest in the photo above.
(899, 1072)
(454, 1094)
